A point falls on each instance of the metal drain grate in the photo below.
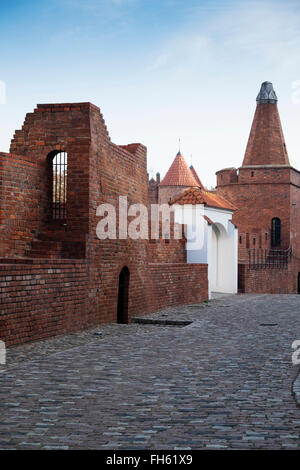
(151, 321)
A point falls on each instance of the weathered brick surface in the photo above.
(153, 191)
(20, 187)
(259, 198)
(167, 193)
(270, 281)
(266, 141)
(167, 251)
(42, 298)
(65, 278)
(176, 284)
(54, 127)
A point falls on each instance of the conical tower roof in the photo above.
(195, 175)
(266, 144)
(179, 174)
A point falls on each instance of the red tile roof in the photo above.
(195, 175)
(200, 196)
(179, 174)
(208, 220)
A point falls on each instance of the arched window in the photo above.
(59, 185)
(275, 232)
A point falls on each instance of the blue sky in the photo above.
(158, 69)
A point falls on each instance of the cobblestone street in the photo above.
(222, 382)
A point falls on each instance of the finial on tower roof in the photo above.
(266, 94)
(179, 150)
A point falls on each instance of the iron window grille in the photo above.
(59, 186)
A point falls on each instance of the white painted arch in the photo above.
(217, 245)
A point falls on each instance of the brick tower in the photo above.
(266, 191)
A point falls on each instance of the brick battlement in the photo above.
(67, 106)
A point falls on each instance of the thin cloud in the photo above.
(96, 5)
(66, 34)
(160, 61)
(180, 51)
(267, 32)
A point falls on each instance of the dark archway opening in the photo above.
(123, 294)
(298, 286)
(275, 232)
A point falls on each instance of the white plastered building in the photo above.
(212, 238)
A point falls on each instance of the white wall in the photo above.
(215, 245)
(214, 260)
(222, 252)
(196, 231)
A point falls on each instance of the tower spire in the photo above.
(266, 145)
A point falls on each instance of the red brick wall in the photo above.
(163, 249)
(177, 284)
(294, 270)
(167, 193)
(40, 299)
(295, 212)
(55, 127)
(268, 281)
(227, 176)
(57, 296)
(167, 251)
(260, 195)
(153, 191)
(20, 190)
(115, 171)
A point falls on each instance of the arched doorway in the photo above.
(223, 260)
(58, 185)
(122, 313)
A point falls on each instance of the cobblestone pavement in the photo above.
(224, 381)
